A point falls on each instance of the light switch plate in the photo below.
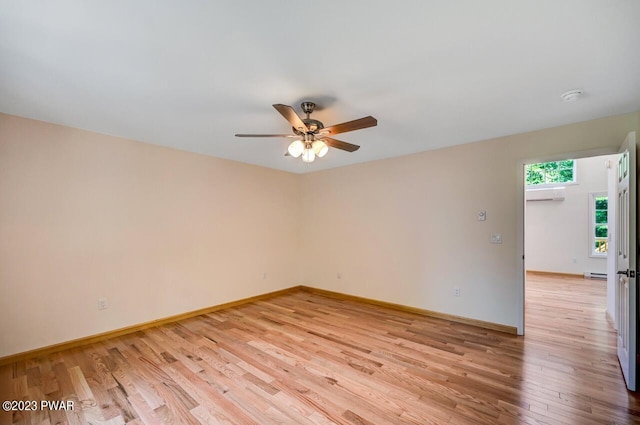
(482, 216)
(102, 303)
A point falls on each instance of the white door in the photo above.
(626, 289)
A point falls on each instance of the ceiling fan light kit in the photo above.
(314, 140)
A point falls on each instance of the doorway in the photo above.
(570, 220)
(601, 235)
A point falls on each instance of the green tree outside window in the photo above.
(600, 227)
(550, 172)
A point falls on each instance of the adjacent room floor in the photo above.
(309, 359)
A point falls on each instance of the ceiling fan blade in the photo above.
(339, 144)
(290, 115)
(350, 126)
(266, 135)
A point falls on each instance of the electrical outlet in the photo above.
(456, 291)
(496, 238)
(102, 303)
(482, 216)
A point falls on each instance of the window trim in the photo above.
(592, 223)
(551, 185)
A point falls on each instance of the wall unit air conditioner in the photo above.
(555, 194)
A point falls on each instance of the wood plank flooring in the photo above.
(309, 359)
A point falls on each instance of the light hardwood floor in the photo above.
(309, 359)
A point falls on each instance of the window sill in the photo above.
(550, 186)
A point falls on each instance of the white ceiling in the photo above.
(191, 74)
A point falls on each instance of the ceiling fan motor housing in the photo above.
(313, 125)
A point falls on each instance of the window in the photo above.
(551, 173)
(598, 224)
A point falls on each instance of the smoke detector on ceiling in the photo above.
(571, 95)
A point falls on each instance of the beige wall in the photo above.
(160, 232)
(404, 230)
(156, 231)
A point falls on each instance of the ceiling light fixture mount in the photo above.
(571, 95)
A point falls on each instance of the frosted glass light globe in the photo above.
(320, 148)
(295, 148)
(308, 155)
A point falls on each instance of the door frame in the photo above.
(520, 213)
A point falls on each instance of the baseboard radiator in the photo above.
(595, 275)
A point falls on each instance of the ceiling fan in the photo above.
(312, 136)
